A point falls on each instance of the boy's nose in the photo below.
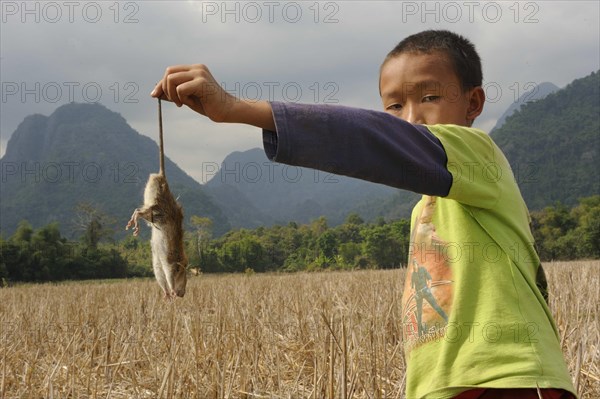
(411, 114)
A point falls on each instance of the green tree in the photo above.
(23, 233)
(3, 275)
(587, 232)
(381, 247)
(350, 232)
(327, 244)
(252, 254)
(319, 226)
(203, 234)
(242, 250)
(48, 254)
(400, 231)
(17, 254)
(354, 218)
(137, 255)
(92, 224)
(349, 252)
(550, 229)
(6, 250)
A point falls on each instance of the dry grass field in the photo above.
(318, 335)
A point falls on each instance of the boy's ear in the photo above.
(476, 101)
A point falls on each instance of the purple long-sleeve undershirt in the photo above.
(369, 145)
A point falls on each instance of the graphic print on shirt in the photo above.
(427, 296)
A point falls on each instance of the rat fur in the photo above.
(165, 216)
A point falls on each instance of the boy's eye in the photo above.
(394, 107)
(428, 99)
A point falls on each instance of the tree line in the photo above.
(43, 254)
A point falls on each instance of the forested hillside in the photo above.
(553, 144)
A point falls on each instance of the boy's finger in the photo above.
(157, 92)
(173, 81)
(187, 93)
(164, 82)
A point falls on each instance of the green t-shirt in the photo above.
(473, 316)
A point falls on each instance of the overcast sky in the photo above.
(114, 53)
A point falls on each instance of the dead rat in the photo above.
(165, 216)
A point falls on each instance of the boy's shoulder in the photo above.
(465, 143)
(481, 174)
(463, 133)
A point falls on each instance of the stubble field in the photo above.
(317, 335)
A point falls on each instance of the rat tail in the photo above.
(160, 138)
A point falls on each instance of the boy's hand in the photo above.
(194, 86)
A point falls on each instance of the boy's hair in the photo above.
(460, 51)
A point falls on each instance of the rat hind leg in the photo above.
(160, 274)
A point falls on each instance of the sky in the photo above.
(52, 53)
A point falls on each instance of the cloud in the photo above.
(114, 53)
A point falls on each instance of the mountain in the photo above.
(254, 191)
(85, 153)
(553, 144)
(537, 92)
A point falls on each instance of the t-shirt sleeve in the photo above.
(478, 167)
(365, 144)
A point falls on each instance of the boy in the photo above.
(475, 324)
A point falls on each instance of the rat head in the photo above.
(179, 278)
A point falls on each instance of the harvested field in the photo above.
(309, 335)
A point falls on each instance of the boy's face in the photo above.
(424, 89)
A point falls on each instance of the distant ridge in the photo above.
(86, 153)
(255, 192)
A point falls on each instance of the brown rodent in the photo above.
(165, 216)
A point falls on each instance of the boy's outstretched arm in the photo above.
(368, 145)
(194, 86)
